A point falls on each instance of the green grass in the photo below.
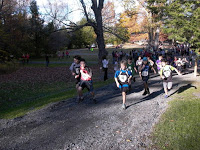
(11, 110)
(179, 126)
(84, 53)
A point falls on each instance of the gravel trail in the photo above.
(87, 126)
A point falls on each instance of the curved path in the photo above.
(87, 126)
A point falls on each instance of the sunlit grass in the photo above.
(179, 126)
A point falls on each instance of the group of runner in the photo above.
(83, 75)
(145, 63)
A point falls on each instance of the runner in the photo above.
(116, 66)
(105, 67)
(131, 67)
(85, 81)
(179, 64)
(144, 74)
(185, 62)
(75, 70)
(139, 63)
(158, 63)
(122, 80)
(166, 75)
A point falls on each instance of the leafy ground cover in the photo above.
(33, 87)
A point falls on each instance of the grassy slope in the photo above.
(8, 112)
(179, 126)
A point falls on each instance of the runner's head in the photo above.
(145, 60)
(160, 57)
(104, 57)
(82, 63)
(163, 62)
(139, 58)
(129, 59)
(123, 64)
(77, 59)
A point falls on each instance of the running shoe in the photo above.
(123, 106)
(166, 96)
(145, 93)
(80, 99)
(94, 100)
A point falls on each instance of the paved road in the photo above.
(87, 126)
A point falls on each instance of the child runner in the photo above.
(105, 67)
(166, 75)
(85, 80)
(122, 80)
(184, 60)
(144, 74)
(158, 63)
(139, 63)
(131, 67)
(75, 69)
(115, 66)
(179, 64)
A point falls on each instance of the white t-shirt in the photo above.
(105, 63)
(116, 66)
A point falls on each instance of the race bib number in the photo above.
(167, 73)
(84, 75)
(129, 68)
(123, 78)
(145, 73)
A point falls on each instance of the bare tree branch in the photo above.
(84, 9)
(114, 33)
(73, 28)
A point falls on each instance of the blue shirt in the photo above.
(122, 76)
(145, 70)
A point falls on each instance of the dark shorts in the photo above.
(124, 88)
(77, 82)
(145, 78)
(86, 84)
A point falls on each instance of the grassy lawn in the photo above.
(16, 107)
(87, 55)
(178, 128)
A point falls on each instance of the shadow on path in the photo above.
(183, 88)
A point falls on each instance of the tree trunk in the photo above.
(151, 37)
(100, 38)
(98, 26)
(156, 43)
(99, 32)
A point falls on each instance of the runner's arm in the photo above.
(141, 70)
(153, 69)
(177, 71)
(135, 69)
(161, 74)
(90, 73)
(116, 81)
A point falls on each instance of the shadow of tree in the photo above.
(183, 88)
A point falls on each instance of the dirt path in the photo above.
(88, 126)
